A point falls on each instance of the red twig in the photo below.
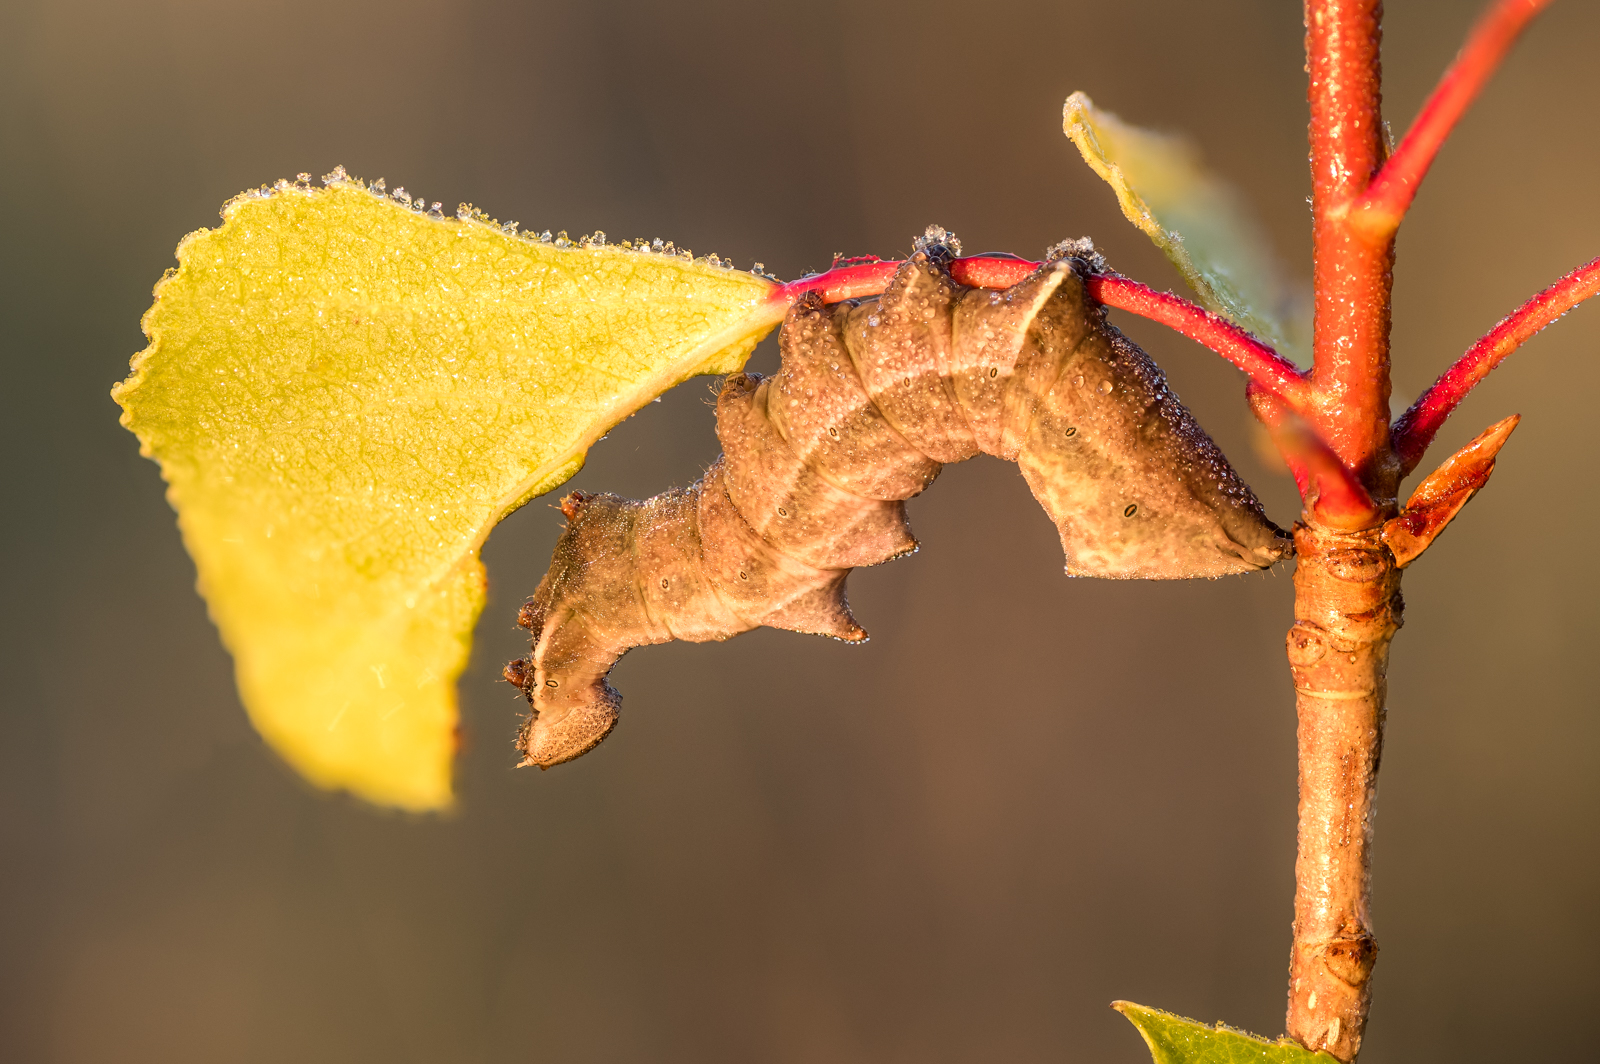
(1332, 493)
(991, 271)
(1350, 274)
(1416, 428)
(1261, 364)
(1264, 366)
(1379, 210)
(871, 278)
(845, 282)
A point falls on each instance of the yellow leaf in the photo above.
(1198, 221)
(345, 395)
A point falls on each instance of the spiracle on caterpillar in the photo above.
(873, 397)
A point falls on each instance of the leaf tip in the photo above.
(1174, 1039)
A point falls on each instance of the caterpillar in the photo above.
(873, 397)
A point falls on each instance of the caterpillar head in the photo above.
(1136, 488)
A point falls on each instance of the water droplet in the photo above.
(1104, 388)
(1077, 382)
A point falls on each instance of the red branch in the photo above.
(991, 271)
(1261, 364)
(1380, 209)
(845, 282)
(1350, 274)
(1332, 494)
(871, 278)
(1416, 428)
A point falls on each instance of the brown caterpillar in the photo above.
(873, 397)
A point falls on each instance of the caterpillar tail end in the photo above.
(557, 731)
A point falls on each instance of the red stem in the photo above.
(991, 271)
(1332, 494)
(1416, 428)
(1264, 366)
(1380, 209)
(844, 282)
(1350, 272)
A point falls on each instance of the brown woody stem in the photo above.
(1347, 609)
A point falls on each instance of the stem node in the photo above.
(1347, 610)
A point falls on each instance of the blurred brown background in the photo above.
(791, 850)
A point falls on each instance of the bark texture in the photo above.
(1347, 609)
(872, 399)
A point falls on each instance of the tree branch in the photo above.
(1350, 273)
(1377, 214)
(1417, 426)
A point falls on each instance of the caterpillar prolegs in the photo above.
(873, 397)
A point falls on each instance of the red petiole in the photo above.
(1416, 428)
(1379, 210)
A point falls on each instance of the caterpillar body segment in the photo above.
(873, 397)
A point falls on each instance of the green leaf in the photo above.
(345, 395)
(1175, 1040)
(1199, 221)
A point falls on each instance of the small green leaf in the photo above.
(345, 395)
(1175, 1040)
(1199, 221)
